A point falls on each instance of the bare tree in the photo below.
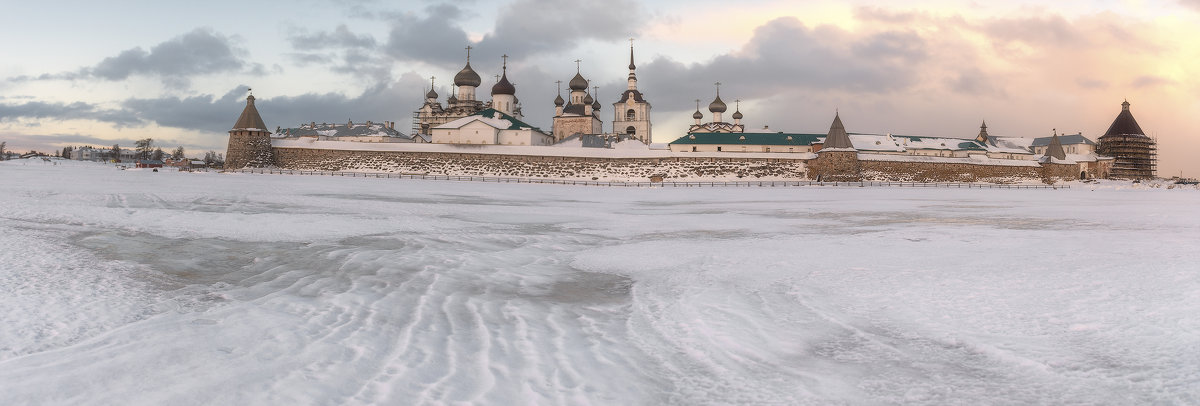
(116, 152)
(157, 155)
(2, 146)
(178, 154)
(144, 147)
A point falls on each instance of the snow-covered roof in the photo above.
(937, 143)
(600, 141)
(367, 129)
(1072, 139)
(971, 160)
(875, 142)
(774, 138)
(1009, 145)
(493, 118)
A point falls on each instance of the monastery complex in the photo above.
(467, 136)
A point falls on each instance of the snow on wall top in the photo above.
(620, 152)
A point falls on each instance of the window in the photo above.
(718, 148)
(630, 130)
(693, 149)
(630, 115)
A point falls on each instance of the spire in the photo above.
(697, 114)
(250, 120)
(837, 136)
(983, 134)
(1055, 150)
(631, 65)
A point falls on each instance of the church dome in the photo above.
(467, 77)
(717, 106)
(452, 99)
(504, 86)
(697, 115)
(737, 115)
(578, 82)
(587, 99)
(431, 95)
(558, 101)
(596, 105)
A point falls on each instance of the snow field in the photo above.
(135, 287)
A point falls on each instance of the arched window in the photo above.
(630, 130)
(630, 115)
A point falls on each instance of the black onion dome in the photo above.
(596, 105)
(737, 115)
(578, 82)
(504, 86)
(558, 100)
(697, 115)
(453, 98)
(431, 95)
(467, 77)
(587, 99)
(717, 106)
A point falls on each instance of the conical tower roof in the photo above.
(250, 120)
(837, 137)
(983, 134)
(1055, 150)
(1124, 124)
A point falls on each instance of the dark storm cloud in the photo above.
(529, 27)
(211, 113)
(344, 51)
(198, 52)
(64, 111)
(434, 38)
(786, 56)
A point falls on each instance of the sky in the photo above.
(78, 73)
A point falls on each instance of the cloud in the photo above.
(784, 56)
(433, 38)
(1150, 81)
(199, 52)
(529, 27)
(67, 111)
(1195, 4)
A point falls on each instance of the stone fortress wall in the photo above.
(532, 166)
(670, 168)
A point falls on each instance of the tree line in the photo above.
(145, 149)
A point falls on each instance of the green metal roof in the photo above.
(750, 139)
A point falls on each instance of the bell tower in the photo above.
(631, 114)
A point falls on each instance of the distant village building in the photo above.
(1136, 154)
(350, 131)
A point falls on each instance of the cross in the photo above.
(597, 91)
(431, 78)
(505, 56)
(468, 53)
(697, 104)
(577, 61)
(738, 104)
(718, 88)
(497, 77)
(250, 91)
(559, 83)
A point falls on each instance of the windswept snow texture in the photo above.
(167, 288)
